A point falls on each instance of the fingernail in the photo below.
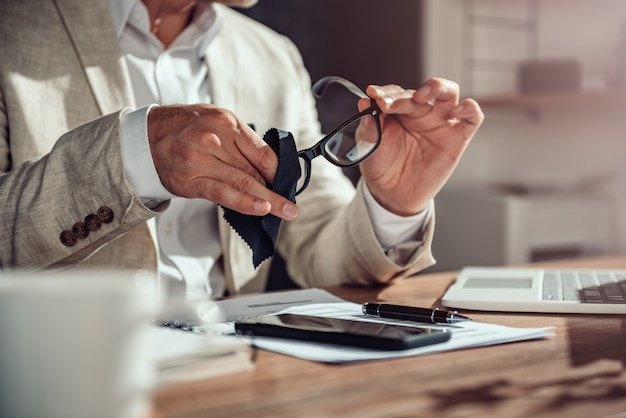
(378, 90)
(262, 206)
(457, 109)
(290, 211)
(424, 90)
(388, 100)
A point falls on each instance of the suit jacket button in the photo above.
(80, 230)
(105, 214)
(93, 222)
(68, 238)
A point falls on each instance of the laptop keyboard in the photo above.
(585, 286)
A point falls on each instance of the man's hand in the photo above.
(424, 134)
(202, 151)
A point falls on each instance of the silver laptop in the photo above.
(597, 291)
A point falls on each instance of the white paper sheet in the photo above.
(321, 303)
(464, 335)
(249, 307)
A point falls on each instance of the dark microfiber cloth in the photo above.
(260, 232)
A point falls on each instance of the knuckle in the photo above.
(245, 183)
(227, 119)
(267, 158)
(209, 139)
(450, 86)
(216, 192)
(442, 84)
(449, 83)
(474, 107)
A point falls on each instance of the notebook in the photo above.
(591, 291)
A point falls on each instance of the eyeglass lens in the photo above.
(353, 142)
(350, 145)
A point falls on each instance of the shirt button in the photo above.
(68, 238)
(93, 222)
(80, 230)
(105, 214)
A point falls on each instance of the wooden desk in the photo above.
(581, 372)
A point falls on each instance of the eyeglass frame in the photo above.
(308, 154)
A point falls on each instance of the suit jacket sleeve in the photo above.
(59, 156)
(43, 197)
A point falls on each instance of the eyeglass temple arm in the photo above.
(320, 87)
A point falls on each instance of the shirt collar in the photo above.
(120, 10)
(206, 23)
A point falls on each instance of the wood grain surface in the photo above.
(578, 373)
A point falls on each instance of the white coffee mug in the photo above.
(75, 344)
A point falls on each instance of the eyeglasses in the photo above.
(349, 144)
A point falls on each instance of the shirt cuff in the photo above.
(139, 167)
(392, 229)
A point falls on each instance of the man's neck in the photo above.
(168, 19)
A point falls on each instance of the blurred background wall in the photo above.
(545, 177)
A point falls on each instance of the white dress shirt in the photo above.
(187, 232)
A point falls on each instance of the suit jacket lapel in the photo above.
(223, 67)
(92, 32)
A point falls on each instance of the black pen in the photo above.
(411, 313)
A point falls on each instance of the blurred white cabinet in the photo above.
(478, 226)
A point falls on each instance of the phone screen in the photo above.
(342, 331)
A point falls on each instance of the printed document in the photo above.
(321, 303)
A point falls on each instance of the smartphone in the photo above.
(342, 331)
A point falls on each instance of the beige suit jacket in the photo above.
(63, 85)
